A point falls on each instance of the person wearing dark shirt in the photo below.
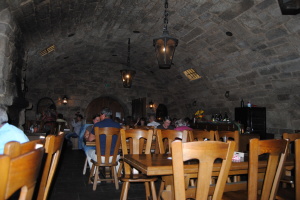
(166, 124)
(105, 121)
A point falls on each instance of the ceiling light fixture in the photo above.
(191, 74)
(165, 45)
(127, 74)
(47, 50)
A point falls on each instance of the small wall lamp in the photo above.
(227, 94)
(151, 104)
(65, 100)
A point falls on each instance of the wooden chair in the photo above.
(19, 170)
(231, 135)
(53, 146)
(277, 152)
(287, 175)
(139, 141)
(297, 171)
(15, 148)
(200, 135)
(112, 139)
(166, 137)
(206, 153)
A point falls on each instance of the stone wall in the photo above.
(11, 67)
(82, 84)
(7, 38)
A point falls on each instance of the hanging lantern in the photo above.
(127, 77)
(127, 74)
(165, 45)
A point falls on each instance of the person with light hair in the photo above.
(9, 132)
(181, 125)
(152, 121)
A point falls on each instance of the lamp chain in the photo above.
(128, 58)
(166, 15)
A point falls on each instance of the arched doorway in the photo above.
(96, 105)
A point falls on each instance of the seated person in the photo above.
(166, 124)
(88, 130)
(181, 125)
(187, 121)
(140, 122)
(76, 124)
(105, 121)
(9, 132)
(49, 120)
(152, 121)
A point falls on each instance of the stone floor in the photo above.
(70, 183)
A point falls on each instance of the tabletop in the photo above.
(161, 164)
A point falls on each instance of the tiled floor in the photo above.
(70, 183)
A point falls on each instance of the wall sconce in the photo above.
(151, 104)
(65, 100)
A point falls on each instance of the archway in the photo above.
(96, 105)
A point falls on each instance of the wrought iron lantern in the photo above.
(165, 45)
(65, 100)
(127, 74)
(151, 104)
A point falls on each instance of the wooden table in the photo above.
(35, 136)
(161, 164)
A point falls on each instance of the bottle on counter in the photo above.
(242, 103)
(220, 117)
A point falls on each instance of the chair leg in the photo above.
(124, 192)
(91, 174)
(120, 168)
(85, 166)
(147, 188)
(153, 190)
(161, 188)
(96, 178)
(114, 174)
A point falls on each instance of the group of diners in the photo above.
(168, 123)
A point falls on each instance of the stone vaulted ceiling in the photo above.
(93, 34)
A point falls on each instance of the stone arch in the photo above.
(96, 105)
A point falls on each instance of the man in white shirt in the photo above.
(9, 132)
(152, 121)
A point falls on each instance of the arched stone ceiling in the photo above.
(88, 33)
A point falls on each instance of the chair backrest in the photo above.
(53, 146)
(277, 150)
(133, 141)
(206, 152)
(291, 137)
(230, 135)
(200, 135)
(136, 141)
(297, 168)
(19, 171)
(108, 142)
(13, 148)
(166, 137)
